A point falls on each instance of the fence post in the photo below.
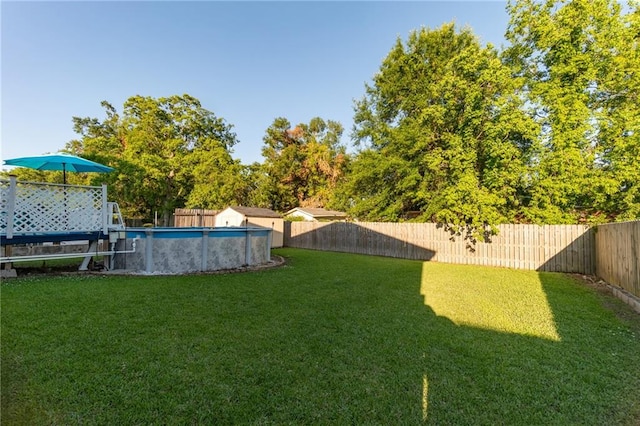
(105, 210)
(11, 206)
(286, 233)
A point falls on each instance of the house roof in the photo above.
(318, 212)
(255, 212)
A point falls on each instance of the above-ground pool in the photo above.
(185, 250)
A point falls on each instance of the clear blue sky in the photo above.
(248, 62)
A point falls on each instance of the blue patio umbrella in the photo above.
(59, 161)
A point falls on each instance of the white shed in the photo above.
(315, 214)
(253, 216)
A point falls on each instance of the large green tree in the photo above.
(302, 164)
(442, 135)
(167, 152)
(579, 62)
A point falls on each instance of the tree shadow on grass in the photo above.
(581, 372)
(382, 350)
(329, 339)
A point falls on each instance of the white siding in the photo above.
(229, 217)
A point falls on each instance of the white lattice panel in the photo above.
(4, 201)
(43, 208)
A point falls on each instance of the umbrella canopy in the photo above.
(60, 161)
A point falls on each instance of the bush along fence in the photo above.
(609, 251)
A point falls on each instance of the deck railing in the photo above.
(29, 208)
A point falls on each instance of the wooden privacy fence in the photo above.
(558, 248)
(617, 251)
(184, 218)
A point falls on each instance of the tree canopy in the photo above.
(546, 131)
(579, 64)
(448, 130)
(167, 152)
(444, 135)
(303, 164)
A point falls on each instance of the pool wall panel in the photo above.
(176, 250)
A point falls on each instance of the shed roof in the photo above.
(318, 212)
(255, 211)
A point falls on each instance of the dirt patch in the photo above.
(622, 310)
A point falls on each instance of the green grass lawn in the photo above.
(329, 338)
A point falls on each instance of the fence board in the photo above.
(558, 248)
(184, 218)
(617, 252)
